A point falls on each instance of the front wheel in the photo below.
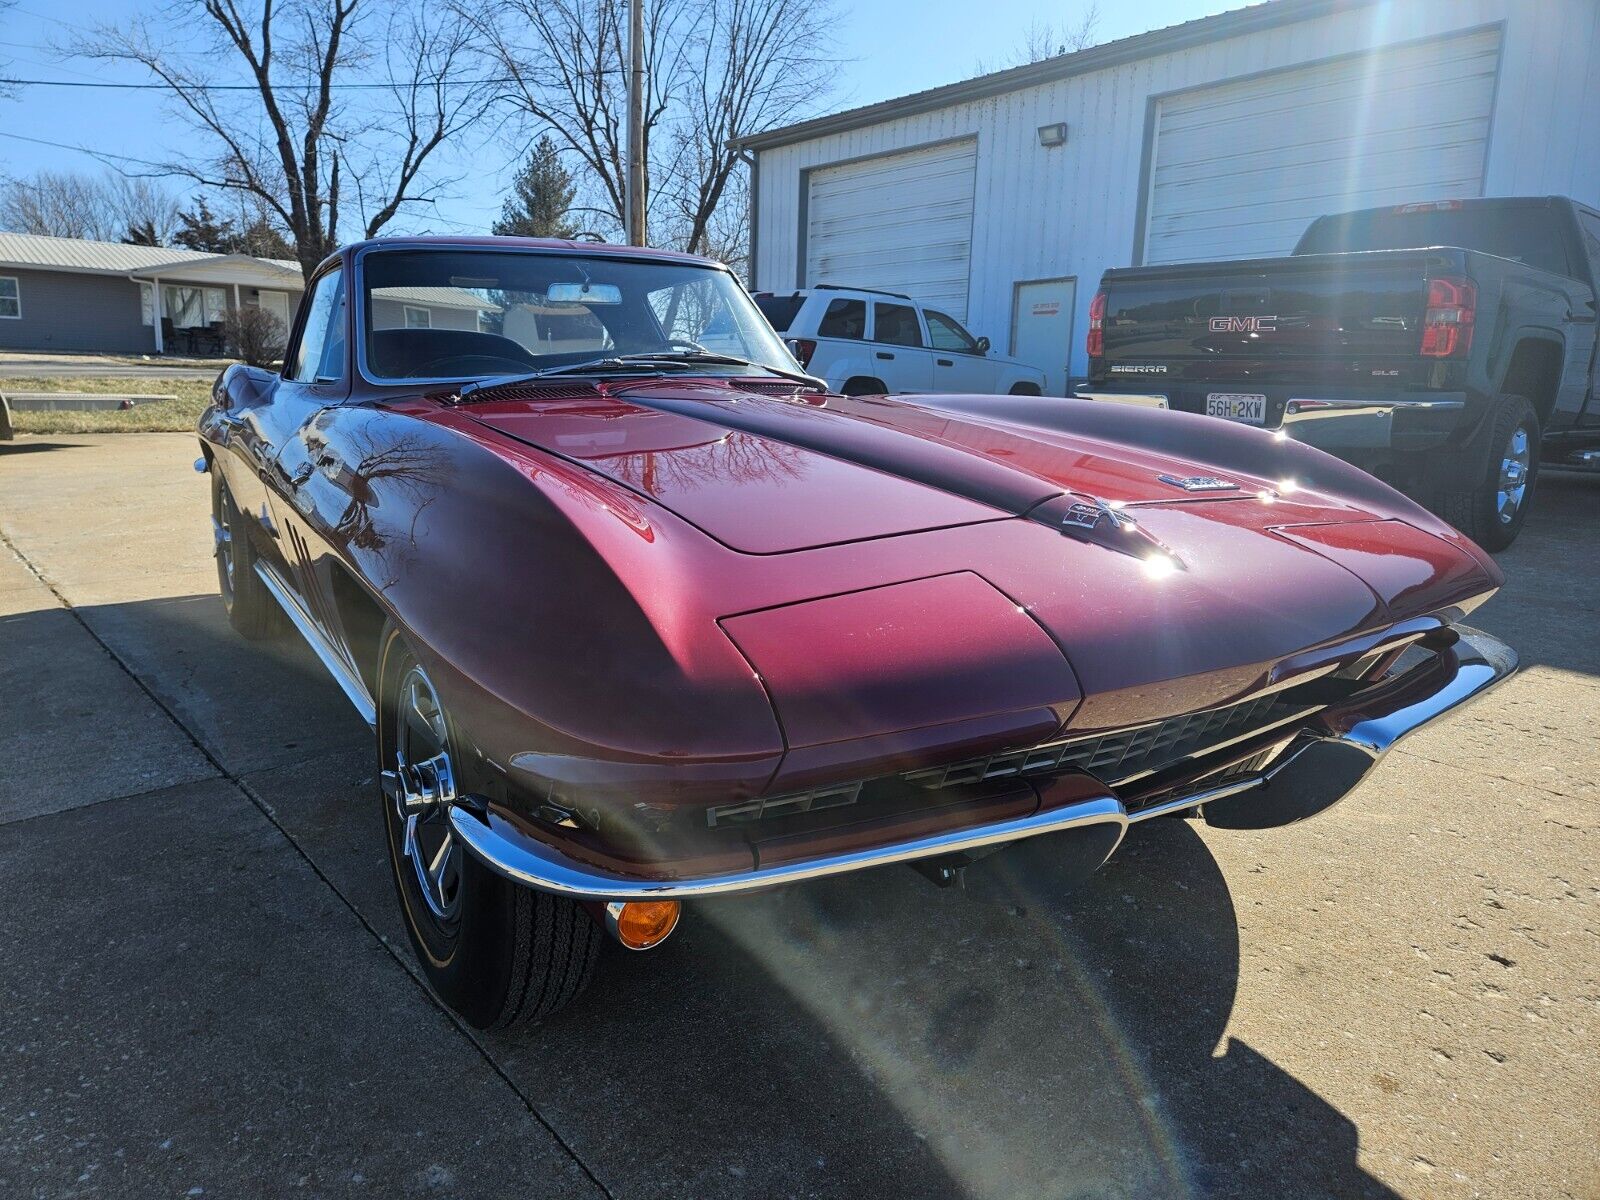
(1490, 502)
(498, 953)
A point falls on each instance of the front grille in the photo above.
(1124, 754)
(761, 808)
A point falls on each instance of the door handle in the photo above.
(945, 362)
(884, 354)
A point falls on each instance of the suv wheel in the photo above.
(862, 385)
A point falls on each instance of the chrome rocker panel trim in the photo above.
(351, 683)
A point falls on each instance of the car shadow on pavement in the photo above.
(868, 1035)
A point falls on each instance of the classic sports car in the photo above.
(640, 612)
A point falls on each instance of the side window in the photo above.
(946, 334)
(1589, 226)
(896, 324)
(320, 354)
(844, 319)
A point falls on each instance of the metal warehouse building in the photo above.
(1002, 198)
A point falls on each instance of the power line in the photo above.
(238, 87)
(143, 162)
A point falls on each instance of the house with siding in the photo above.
(73, 295)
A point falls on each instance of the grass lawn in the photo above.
(158, 416)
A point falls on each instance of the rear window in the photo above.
(1522, 233)
(779, 310)
(844, 319)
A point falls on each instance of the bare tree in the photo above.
(1047, 39)
(715, 69)
(294, 140)
(104, 208)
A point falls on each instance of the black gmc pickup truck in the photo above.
(1447, 347)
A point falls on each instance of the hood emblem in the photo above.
(1199, 483)
(1087, 516)
(1106, 523)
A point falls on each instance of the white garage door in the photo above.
(1239, 170)
(900, 222)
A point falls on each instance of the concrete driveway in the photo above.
(207, 991)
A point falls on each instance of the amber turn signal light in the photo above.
(642, 924)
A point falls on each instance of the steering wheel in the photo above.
(470, 364)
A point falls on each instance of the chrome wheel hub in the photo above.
(422, 788)
(1515, 465)
(223, 548)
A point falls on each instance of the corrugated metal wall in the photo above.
(1074, 211)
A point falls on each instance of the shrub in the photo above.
(254, 335)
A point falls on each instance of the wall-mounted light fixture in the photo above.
(1051, 136)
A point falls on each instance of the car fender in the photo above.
(561, 617)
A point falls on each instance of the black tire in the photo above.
(1025, 389)
(862, 385)
(1488, 508)
(251, 610)
(499, 954)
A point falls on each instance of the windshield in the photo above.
(450, 314)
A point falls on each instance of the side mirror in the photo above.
(983, 346)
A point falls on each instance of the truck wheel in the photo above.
(251, 610)
(1502, 474)
(500, 954)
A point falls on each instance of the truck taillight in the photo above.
(1403, 210)
(1447, 322)
(802, 349)
(1096, 341)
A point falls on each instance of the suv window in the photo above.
(320, 354)
(946, 333)
(896, 325)
(780, 311)
(844, 319)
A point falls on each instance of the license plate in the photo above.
(1237, 406)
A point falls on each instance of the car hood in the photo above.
(767, 474)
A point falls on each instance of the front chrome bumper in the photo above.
(1313, 773)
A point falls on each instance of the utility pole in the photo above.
(637, 235)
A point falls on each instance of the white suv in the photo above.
(867, 343)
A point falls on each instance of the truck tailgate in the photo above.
(1272, 317)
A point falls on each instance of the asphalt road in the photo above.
(206, 990)
(74, 366)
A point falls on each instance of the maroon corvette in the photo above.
(639, 612)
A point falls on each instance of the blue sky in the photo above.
(887, 55)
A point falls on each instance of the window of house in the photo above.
(945, 333)
(896, 324)
(192, 307)
(844, 319)
(320, 354)
(147, 303)
(10, 297)
(418, 318)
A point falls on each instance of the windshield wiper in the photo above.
(625, 362)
